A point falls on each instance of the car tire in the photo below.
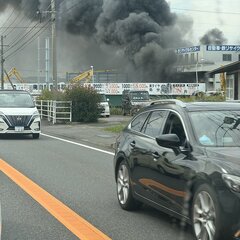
(207, 220)
(124, 188)
(36, 135)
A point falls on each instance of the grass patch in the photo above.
(115, 129)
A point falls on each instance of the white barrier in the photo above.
(55, 111)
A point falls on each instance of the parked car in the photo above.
(18, 113)
(134, 100)
(183, 159)
(104, 106)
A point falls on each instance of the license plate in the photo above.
(19, 129)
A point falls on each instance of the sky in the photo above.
(209, 14)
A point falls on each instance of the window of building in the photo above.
(227, 57)
(230, 87)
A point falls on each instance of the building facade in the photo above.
(201, 59)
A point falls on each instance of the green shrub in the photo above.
(85, 103)
(116, 111)
(202, 98)
(51, 95)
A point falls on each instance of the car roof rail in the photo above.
(169, 101)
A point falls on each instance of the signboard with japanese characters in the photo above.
(228, 48)
(188, 49)
(152, 88)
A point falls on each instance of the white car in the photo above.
(18, 113)
(104, 105)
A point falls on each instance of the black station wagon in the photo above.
(184, 159)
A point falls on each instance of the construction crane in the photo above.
(13, 72)
(87, 76)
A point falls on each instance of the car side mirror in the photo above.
(168, 141)
(172, 141)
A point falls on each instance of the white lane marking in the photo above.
(79, 144)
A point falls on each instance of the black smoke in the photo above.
(30, 8)
(83, 16)
(145, 32)
(140, 35)
(214, 37)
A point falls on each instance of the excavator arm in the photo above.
(87, 76)
(13, 72)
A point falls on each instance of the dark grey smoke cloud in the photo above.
(83, 16)
(145, 31)
(141, 35)
(4, 4)
(28, 7)
(214, 36)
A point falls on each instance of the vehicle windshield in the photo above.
(217, 128)
(16, 100)
(139, 96)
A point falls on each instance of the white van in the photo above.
(18, 113)
(105, 109)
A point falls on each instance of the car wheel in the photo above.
(36, 135)
(124, 189)
(206, 217)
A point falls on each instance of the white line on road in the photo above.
(79, 144)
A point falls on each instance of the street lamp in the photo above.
(92, 75)
(197, 72)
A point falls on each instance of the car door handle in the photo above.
(133, 144)
(155, 156)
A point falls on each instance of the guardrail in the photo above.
(55, 111)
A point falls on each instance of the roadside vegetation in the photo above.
(85, 102)
(116, 111)
(203, 98)
(116, 129)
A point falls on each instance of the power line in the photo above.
(38, 33)
(29, 21)
(21, 37)
(41, 30)
(15, 19)
(205, 11)
(10, 15)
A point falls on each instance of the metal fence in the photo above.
(55, 111)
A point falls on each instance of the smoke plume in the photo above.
(30, 8)
(214, 37)
(138, 36)
(145, 33)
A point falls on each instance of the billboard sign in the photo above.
(228, 48)
(152, 88)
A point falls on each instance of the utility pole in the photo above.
(47, 63)
(2, 62)
(54, 47)
(38, 79)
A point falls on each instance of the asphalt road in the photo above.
(82, 179)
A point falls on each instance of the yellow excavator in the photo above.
(13, 72)
(87, 76)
